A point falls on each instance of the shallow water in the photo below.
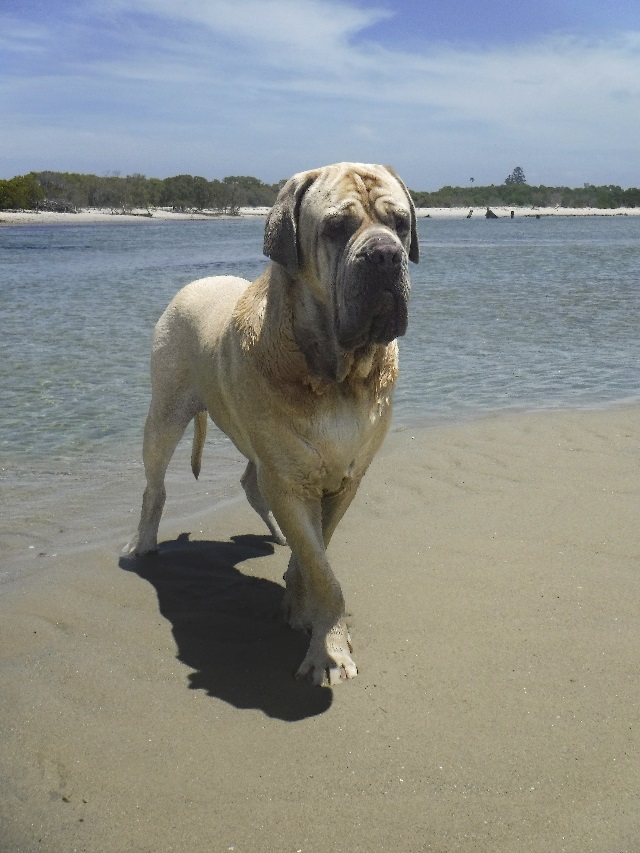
(522, 314)
(505, 315)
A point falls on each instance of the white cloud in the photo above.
(22, 36)
(309, 33)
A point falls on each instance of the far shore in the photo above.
(94, 215)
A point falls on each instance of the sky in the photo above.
(443, 90)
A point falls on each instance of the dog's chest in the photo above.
(342, 439)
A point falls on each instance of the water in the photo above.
(78, 306)
(522, 314)
(505, 315)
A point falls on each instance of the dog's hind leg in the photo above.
(249, 482)
(162, 432)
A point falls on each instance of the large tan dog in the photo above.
(297, 368)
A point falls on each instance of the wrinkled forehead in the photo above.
(369, 193)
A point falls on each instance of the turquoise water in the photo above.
(505, 315)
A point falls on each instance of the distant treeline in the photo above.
(523, 195)
(68, 191)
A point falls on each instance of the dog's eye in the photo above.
(338, 226)
(402, 224)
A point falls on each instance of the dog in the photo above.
(297, 368)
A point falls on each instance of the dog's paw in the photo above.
(129, 549)
(329, 660)
(136, 548)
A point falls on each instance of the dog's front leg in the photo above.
(322, 603)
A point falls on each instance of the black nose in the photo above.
(381, 253)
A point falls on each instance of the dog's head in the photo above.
(348, 231)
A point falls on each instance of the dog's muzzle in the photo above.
(377, 298)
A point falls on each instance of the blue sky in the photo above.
(444, 90)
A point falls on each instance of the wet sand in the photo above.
(491, 572)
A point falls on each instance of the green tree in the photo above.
(20, 193)
(250, 192)
(516, 177)
(177, 192)
(202, 195)
(136, 191)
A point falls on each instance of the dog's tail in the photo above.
(199, 435)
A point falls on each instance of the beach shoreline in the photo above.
(98, 216)
(490, 574)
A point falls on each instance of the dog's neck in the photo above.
(301, 331)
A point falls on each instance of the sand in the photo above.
(95, 215)
(504, 212)
(491, 571)
(30, 217)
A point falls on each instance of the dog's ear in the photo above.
(414, 251)
(281, 229)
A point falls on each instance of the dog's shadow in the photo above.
(228, 626)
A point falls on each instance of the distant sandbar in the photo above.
(93, 215)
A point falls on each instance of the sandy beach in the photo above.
(504, 212)
(95, 215)
(491, 575)
(31, 217)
